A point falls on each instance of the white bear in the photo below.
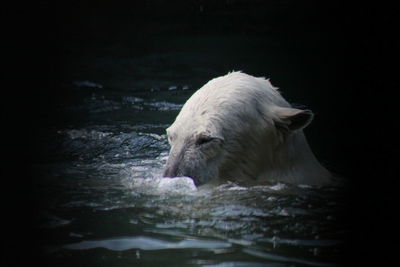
(239, 128)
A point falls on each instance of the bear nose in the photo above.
(170, 171)
(173, 166)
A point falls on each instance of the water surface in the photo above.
(102, 200)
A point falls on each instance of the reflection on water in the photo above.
(103, 200)
(146, 243)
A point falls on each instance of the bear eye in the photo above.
(171, 138)
(201, 140)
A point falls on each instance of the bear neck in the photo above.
(298, 164)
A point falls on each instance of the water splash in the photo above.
(159, 186)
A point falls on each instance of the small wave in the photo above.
(85, 134)
(88, 84)
(131, 100)
(163, 106)
(51, 221)
(231, 186)
(110, 145)
(97, 104)
(140, 104)
(301, 242)
(176, 87)
(147, 243)
(237, 210)
(278, 258)
(238, 264)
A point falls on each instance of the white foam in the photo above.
(157, 186)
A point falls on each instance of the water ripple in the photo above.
(147, 243)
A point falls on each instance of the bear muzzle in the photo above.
(184, 161)
(173, 170)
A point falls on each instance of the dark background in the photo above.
(337, 59)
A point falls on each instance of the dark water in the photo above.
(102, 201)
(103, 81)
(110, 80)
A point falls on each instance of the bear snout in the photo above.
(171, 169)
(174, 169)
(177, 166)
(174, 166)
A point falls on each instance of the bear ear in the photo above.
(291, 119)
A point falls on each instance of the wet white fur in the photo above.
(243, 115)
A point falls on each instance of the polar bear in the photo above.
(239, 128)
